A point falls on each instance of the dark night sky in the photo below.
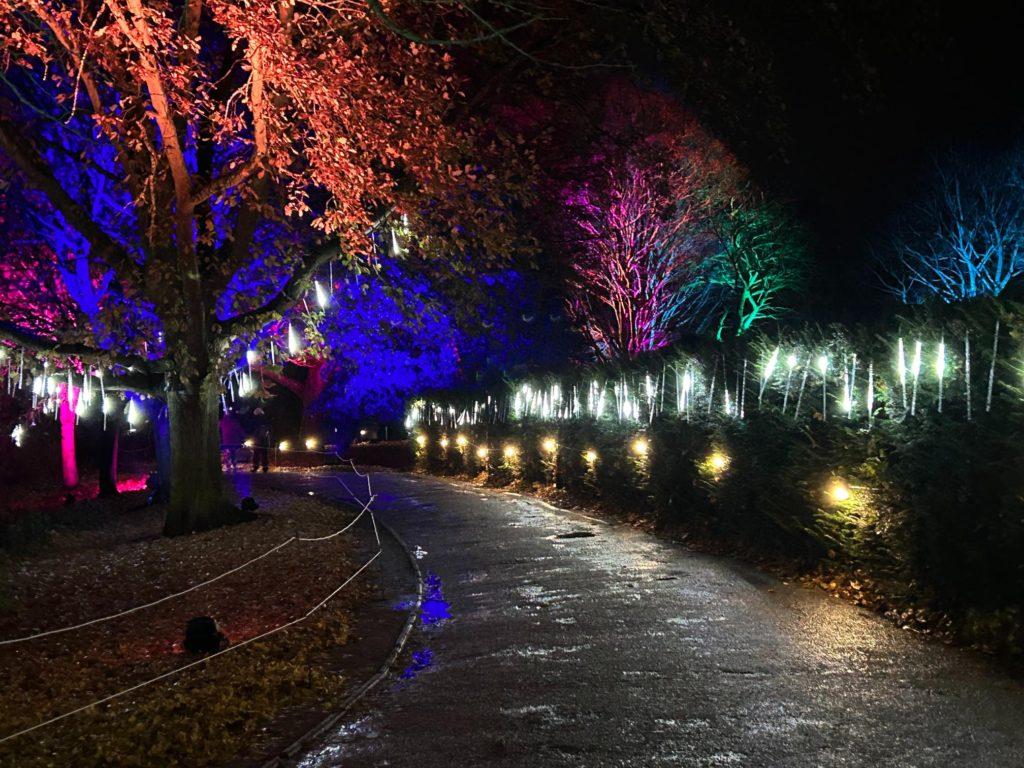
(841, 106)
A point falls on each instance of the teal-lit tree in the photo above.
(760, 265)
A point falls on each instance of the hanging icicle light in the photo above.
(134, 414)
(323, 298)
(294, 343)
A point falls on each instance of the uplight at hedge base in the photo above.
(461, 441)
(590, 457)
(481, 453)
(718, 461)
(311, 443)
(549, 445)
(443, 442)
(283, 446)
(640, 446)
(421, 441)
(839, 491)
(510, 452)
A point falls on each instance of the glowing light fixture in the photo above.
(18, 435)
(590, 456)
(283, 446)
(461, 441)
(322, 297)
(510, 451)
(421, 441)
(839, 491)
(791, 361)
(134, 414)
(294, 343)
(443, 442)
(718, 461)
(640, 446)
(823, 364)
(249, 443)
(549, 445)
(481, 452)
(311, 443)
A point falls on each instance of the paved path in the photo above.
(613, 648)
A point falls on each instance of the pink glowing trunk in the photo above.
(68, 459)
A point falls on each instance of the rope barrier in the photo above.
(236, 646)
(236, 569)
(197, 662)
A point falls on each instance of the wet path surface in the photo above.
(551, 639)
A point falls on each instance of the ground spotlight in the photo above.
(284, 445)
(481, 452)
(461, 441)
(510, 451)
(311, 443)
(443, 442)
(590, 456)
(839, 491)
(641, 446)
(421, 441)
(549, 445)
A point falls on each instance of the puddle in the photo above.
(575, 535)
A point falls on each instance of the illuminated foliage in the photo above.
(760, 263)
(207, 156)
(964, 238)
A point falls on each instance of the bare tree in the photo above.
(640, 253)
(761, 258)
(964, 239)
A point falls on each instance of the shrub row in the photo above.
(935, 513)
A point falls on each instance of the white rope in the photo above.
(164, 599)
(347, 527)
(102, 619)
(198, 662)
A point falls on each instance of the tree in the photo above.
(964, 238)
(637, 265)
(219, 138)
(640, 199)
(761, 260)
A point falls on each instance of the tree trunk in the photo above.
(68, 458)
(197, 496)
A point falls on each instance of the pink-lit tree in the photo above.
(637, 269)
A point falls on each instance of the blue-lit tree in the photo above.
(963, 238)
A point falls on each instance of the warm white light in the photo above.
(590, 456)
(549, 445)
(461, 441)
(641, 446)
(718, 461)
(839, 491)
(311, 443)
(108, 405)
(421, 441)
(249, 443)
(481, 452)
(510, 451)
(443, 442)
(362, 433)
(18, 435)
(284, 445)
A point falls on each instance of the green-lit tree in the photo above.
(760, 265)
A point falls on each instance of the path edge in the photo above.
(289, 752)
